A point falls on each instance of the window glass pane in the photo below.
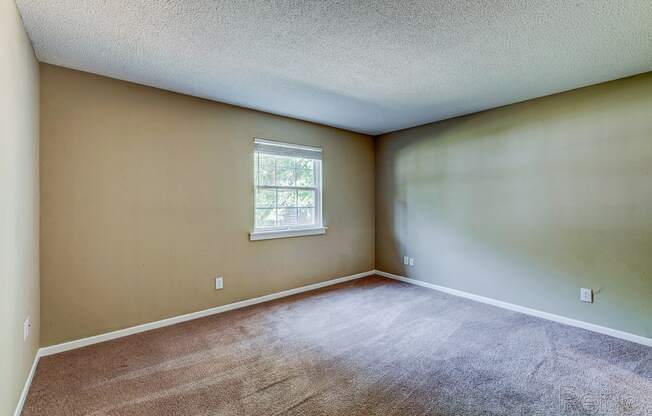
(284, 171)
(284, 177)
(285, 163)
(306, 216)
(304, 164)
(256, 157)
(287, 216)
(287, 198)
(265, 217)
(306, 198)
(265, 170)
(305, 177)
(266, 198)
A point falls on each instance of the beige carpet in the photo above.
(368, 347)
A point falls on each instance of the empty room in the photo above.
(221, 207)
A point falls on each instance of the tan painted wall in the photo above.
(529, 202)
(147, 195)
(19, 257)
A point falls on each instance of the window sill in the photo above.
(268, 235)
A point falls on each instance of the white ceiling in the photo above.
(367, 66)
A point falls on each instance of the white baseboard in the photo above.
(528, 311)
(28, 384)
(71, 345)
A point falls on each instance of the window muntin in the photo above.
(287, 186)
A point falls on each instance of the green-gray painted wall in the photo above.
(528, 203)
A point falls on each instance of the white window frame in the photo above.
(318, 227)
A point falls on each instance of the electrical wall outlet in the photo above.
(219, 282)
(586, 295)
(26, 326)
(411, 261)
(406, 260)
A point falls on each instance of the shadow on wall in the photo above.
(528, 203)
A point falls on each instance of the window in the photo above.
(287, 190)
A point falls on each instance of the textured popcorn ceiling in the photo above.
(368, 66)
